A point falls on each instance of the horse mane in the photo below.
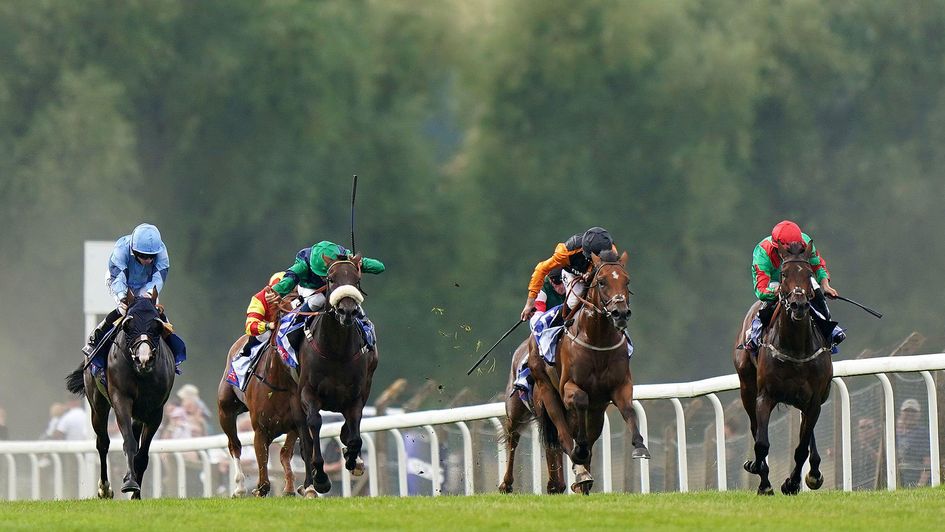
(609, 255)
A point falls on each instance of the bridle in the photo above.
(614, 299)
(785, 298)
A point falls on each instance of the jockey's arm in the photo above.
(292, 277)
(256, 322)
(162, 266)
(369, 265)
(761, 269)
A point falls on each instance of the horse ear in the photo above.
(328, 260)
(623, 258)
(356, 259)
(129, 297)
(154, 294)
(595, 259)
(810, 249)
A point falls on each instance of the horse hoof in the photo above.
(323, 487)
(814, 482)
(130, 486)
(640, 453)
(105, 491)
(767, 490)
(309, 493)
(505, 488)
(790, 488)
(288, 493)
(261, 491)
(583, 487)
(238, 494)
(555, 489)
(358, 468)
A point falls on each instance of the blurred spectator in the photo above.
(189, 396)
(913, 441)
(4, 433)
(73, 424)
(55, 412)
(867, 446)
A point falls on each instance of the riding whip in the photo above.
(354, 192)
(483, 357)
(862, 306)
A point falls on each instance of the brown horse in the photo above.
(592, 370)
(335, 373)
(271, 399)
(140, 375)
(793, 367)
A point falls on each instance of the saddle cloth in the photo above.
(241, 367)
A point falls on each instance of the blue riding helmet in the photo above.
(146, 240)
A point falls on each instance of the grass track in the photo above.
(918, 509)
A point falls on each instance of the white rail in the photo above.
(427, 422)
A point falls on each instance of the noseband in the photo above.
(784, 298)
(616, 298)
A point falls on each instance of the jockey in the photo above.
(574, 259)
(766, 271)
(309, 272)
(138, 263)
(552, 291)
(261, 314)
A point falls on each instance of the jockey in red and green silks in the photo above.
(766, 273)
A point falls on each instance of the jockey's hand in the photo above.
(271, 325)
(122, 307)
(272, 298)
(829, 291)
(529, 308)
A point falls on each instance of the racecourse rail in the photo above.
(86, 456)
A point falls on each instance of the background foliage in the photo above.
(484, 133)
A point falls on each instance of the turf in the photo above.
(918, 509)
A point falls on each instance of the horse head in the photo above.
(344, 294)
(143, 327)
(797, 285)
(610, 284)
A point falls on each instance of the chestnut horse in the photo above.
(591, 370)
(140, 375)
(793, 367)
(335, 373)
(271, 399)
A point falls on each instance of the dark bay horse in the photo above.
(271, 398)
(335, 373)
(591, 371)
(793, 367)
(140, 375)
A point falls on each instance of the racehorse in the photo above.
(335, 373)
(591, 370)
(140, 375)
(271, 399)
(793, 366)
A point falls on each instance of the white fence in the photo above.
(475, 459)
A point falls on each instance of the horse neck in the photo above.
(596, 326)
(794, 336)
(331, 334)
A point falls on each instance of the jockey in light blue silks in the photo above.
(138, 263)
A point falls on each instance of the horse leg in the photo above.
(583, 481)
(760, 464)
(146, 432)
(555, 460)
(546, 400)
(353, 442)
(100, 425)
(285, 458)
(792, 484)
(623, 400)
(749, 395)
(313, 427)
(512, 436)
(814, 478)
(123, 415)
(261, 441)
(576, 402)
(228, 423)
(309, 441)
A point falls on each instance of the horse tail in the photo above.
(75, 381)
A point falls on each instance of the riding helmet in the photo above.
(595, 240)
(786, 232)
(146, 240)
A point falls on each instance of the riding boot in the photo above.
(100, 330)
